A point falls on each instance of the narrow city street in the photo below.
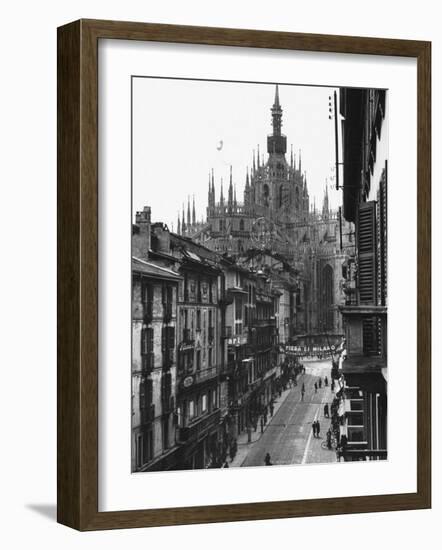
(288, 436)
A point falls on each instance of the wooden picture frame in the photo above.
(77, 461)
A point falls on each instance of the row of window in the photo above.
(192, 320)
(147, 300)
(144, 441)
(194, 357)
(196, 406)
(147, 347)
(197, 290)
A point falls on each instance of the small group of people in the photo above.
(316, 428)
(318, 384)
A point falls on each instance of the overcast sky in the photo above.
(178, 125)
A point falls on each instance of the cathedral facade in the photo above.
(276, 228)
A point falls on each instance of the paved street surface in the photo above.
(288, 435)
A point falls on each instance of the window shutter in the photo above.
(143, 341)
(142, 394)
(163, 339)
(150, 340)
(149, 391)
(367, 252)
(171, 338)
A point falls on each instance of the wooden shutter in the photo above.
(171, 338)
(367, 253)
(149, 392)
(163, 339)
(150, 340)
(142, 394)
(144, 341)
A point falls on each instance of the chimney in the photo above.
(141, 234)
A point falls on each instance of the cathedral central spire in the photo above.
(276, 114)
(276, 142)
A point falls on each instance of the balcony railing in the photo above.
(190, 377)
(269, 322)
(362, 454)
(199, 427)
(205, 374)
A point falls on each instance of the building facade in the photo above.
(154, 321)
(363, 366)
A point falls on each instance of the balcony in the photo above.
(365, 329)
(198, 428)
(206, 374)
(190, 379)
(269, 322)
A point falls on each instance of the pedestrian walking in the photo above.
(314, 428)
(320, 383)
(326, 381)
(326, 412)
(267, 460)
(302, 394)
(303, 387)
(316, 387)
(329, 438)
(318, 428)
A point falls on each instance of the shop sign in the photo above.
(188, 381)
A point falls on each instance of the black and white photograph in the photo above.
(259, 274)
